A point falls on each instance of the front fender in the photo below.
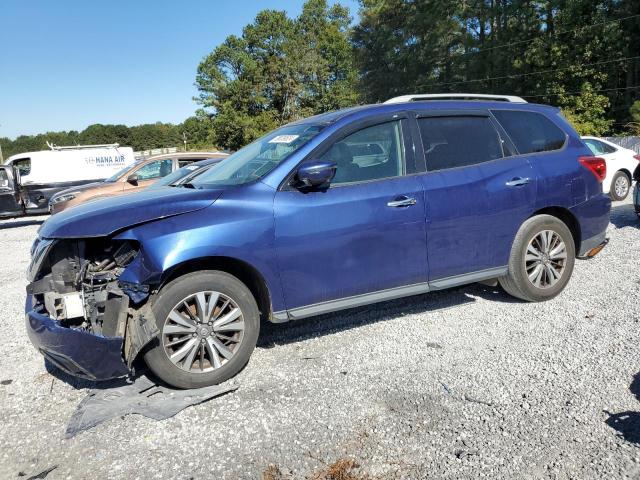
(239, 225)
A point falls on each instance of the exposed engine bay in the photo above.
(76, 283)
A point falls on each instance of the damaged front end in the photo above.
(79, 315)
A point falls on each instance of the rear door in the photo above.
(477, 194)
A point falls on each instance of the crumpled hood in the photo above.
(104, 217)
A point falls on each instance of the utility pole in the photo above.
(184, 139)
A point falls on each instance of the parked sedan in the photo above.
(128, 180)
(621, 163)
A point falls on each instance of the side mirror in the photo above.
(315, 174)
(133, 179)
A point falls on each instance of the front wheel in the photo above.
(209, 325)
(620, 186)
(541, 260)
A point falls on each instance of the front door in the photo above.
(362, 239)
(10, 203)
(478, 194)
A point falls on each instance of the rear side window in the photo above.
(598, 148)
(530, 131)
(451, 142)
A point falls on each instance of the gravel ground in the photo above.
(464, 383)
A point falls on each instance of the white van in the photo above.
(28, 180)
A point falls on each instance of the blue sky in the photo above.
(67, 64)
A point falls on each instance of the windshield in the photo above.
(119, 173)
(258, 158)
(175, 176)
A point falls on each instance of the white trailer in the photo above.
(28, 180)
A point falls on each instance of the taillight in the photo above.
(637, 157)
(596, 165)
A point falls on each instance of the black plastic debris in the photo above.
(144, 397)
(42, 474)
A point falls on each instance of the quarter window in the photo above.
(530, 131)
(369, 154)
(451, 142)
(157, 169)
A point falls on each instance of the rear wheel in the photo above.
(620, 186)
(541, 260)
(209, 324)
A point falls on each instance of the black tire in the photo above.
(621, 176)
(516, 282)
(181, 288)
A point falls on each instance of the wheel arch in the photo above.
(240, 269)
(565, 216)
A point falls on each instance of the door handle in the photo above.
(402, 201)
(518, 182)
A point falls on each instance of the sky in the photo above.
(66, 64)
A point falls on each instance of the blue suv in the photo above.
(335, 211)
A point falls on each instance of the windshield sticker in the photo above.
(283, 139)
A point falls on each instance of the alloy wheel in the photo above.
(203, 332)
(545, 259)
(621, 186)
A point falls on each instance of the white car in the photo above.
(621, 163)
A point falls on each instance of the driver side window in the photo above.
(157, 169)
(372, 153)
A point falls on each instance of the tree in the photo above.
(578, 55)
(279, 70)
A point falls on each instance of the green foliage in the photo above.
(141, 137)
(279, 70)
(575, 55)
(587, 111)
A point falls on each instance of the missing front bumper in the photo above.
(77, 352)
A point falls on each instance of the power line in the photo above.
(580, 92)
(560, 32)
(539, 72)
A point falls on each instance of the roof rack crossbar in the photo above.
(78, 147)
(455, 96)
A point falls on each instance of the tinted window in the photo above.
(369, 154)
(157, 169)
(451, 142)
(530, 131)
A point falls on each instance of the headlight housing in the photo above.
(63, 198)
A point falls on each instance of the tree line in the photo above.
(580, 55)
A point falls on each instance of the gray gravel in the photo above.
(465, 383)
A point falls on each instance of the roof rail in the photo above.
(455, 96)
(78, 147)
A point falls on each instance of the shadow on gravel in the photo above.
(627, 423)
(19, 223)
(624, 216)
(295, 331)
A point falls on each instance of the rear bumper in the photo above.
(77, 352)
